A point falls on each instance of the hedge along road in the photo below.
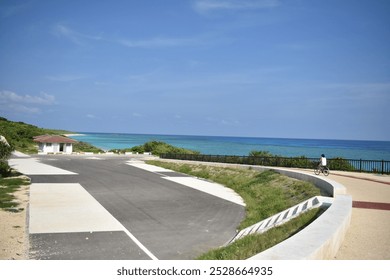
(106, 208)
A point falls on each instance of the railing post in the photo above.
(360, 169)
(383, 166)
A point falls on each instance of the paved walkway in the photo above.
(368, 237)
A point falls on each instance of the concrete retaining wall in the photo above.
(327, 186)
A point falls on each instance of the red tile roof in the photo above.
(53, 139)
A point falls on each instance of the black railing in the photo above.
(357, 165)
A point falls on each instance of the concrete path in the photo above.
(103, 207)
(368, 237)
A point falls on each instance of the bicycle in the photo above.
(319, 168)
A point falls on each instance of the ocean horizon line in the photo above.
(82, 133)
(243, 146)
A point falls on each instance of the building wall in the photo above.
(46, 148)
(68, 148)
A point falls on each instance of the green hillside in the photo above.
(20, 135)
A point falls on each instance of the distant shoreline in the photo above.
(74, 134)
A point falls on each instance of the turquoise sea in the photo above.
(223, 145)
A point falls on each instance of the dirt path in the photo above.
(13, 234)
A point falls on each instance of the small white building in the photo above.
(54, 144)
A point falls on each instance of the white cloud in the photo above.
(136, 115)
(76, 37)
(204, 6)
(61, 30)
(12, 97)
(91, 116)
(27, 104)
(24, 109)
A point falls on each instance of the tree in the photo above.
(5, 149)
(5, 152)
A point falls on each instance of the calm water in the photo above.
(220, 145)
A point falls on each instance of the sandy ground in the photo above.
(13, 234)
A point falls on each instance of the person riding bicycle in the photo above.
(322, 162)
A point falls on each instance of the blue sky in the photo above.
(264, 68)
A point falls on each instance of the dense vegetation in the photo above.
(5, 152)
(81, 147)
(156, 148)
(299, 162)
(8, 182)
(267, 159)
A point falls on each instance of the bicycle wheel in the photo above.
(317, 171)
(326, 171)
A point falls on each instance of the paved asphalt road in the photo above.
(170, 220)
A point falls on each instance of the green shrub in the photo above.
(5, 169)
(156, 148)
(5, 149)
(85, 147)
(256, 153)
(340, 164)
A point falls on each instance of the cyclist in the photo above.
(322, 162)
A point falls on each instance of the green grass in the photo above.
(265, 193)
(253, 244)
(7, 188)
